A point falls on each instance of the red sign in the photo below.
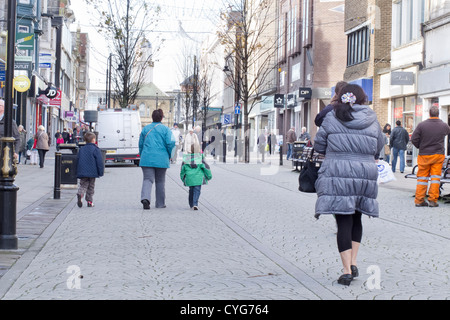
(56, 101)
(419, 110)
(398, 113)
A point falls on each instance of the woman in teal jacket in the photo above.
(194, 173)
(155, 148)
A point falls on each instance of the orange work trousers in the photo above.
(430, 169)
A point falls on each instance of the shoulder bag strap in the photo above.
(151, 131)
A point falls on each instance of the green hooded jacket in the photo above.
(194, 170)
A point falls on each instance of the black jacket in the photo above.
(399, 138)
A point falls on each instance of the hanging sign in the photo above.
(21, 83)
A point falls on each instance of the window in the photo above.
(358, 45)
(407, 16)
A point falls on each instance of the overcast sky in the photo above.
(193, 15)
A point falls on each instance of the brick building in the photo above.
(368, 30)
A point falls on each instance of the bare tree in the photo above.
(126, 24)
(248, 32)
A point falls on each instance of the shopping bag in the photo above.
(385, 173)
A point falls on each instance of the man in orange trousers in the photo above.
(428, 137)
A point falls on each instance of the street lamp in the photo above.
(8, 191)
(108, 79)
(237, 98)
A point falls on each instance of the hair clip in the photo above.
(348, 97)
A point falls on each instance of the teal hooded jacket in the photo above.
(194, 170)
(155, 146)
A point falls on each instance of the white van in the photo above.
(118, 134)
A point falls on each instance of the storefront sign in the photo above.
(25, 41)
(267, 103)
(279, 101)
(291, 101)
(398, 113)
(45, 60)
(56, 101)
(22, 83)
(402, 78)
(419, 110)
(305, 93)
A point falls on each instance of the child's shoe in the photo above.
(90, 204)
(195, 208)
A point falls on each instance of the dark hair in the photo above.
(398, 122)
(386, 130)
(337, 91)
(344, 110)
(157, 115)
(89, 137)
(434, 111)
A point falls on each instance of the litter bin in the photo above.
(68, 163)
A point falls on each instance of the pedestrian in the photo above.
(70, 136)
(89, 167)
(428, 137)
(23, 143)
(15, 131)
(65, 135)
(195, 172)
(271, 142)
(190, 139)
(59, 141)
(304, 136)
(386, 151)
(261, 142)
(177, 138)
(42, 143)
(155, 148)
(398, 141)
(335, 99)
(291, 137)
(351, 139)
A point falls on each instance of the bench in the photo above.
(300, 157)
(445, 176)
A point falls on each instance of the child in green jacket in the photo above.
(194, 173)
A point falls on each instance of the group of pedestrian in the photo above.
(156, 145)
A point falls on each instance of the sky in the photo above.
(194, 16)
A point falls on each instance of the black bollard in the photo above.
(281, 155)
(57, 186)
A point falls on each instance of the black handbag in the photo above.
(308, 176)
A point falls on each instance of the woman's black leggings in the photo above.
(349, 229)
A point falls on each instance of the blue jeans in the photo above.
(395, 153)
(289, 151)
(194, 195)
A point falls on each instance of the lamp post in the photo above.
(237, 98)
(8, 169)
(108, 79)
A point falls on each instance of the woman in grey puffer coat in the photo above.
(351, 139)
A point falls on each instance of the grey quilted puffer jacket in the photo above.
(347, 179)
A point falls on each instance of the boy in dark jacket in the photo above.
(89, 166)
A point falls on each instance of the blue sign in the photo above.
(2, 71)
(226, 118)
(237, 109)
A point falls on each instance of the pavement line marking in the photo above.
(299, 275)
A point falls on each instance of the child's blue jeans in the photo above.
(194, 195)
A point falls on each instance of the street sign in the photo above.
(226, 118)
(237, 109)
(21, 83)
